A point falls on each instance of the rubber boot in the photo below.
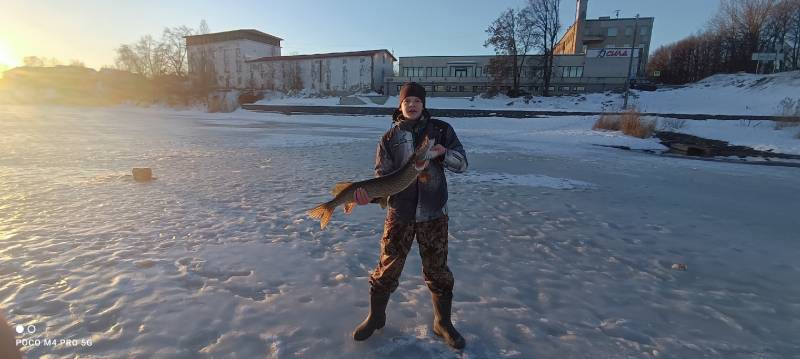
(376, 318)
(442, 325)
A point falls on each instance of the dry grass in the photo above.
(630, 123)
(607, 122)
(633, 125)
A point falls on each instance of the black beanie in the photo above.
(412, 89)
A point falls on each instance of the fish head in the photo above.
(423, 147)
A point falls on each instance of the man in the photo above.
(420, 210)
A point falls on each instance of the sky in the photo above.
(90, 30)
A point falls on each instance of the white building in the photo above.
(250, 59)
(223, 54)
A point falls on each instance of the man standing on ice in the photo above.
(418, 211)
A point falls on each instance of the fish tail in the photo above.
(323, 212)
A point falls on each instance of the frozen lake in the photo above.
(560, 249)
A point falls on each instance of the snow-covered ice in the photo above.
(560, 248)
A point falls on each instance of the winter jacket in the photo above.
(421, 201)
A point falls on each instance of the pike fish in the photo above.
(379, 187)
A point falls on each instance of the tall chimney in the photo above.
(580, 22)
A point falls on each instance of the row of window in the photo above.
(478, 89)
(528, 72)
(452, 71)
(614, 31)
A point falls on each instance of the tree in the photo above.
(512, 37)
(128, 60)
(172, 40)
(546, 26)
(32, 61)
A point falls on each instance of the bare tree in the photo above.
(77, 63)
(512, 37)
(172, 40)
(793, 35)
(32, 61)
(546, 26)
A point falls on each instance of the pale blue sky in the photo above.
(90, 30)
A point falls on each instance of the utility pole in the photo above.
(630, 63)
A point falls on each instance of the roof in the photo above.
(248, 34)
(622, 19)
(322, 56)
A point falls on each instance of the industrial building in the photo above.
(593, 55)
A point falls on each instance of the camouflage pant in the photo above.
(395, 245)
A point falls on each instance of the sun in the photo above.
(6, 57)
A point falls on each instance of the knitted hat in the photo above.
(412, 89)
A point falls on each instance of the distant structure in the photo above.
(603, 33)
(592, 56)
(251, 59)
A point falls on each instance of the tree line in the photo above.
(739, 29)
(158, 57)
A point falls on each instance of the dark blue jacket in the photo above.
(421, 201)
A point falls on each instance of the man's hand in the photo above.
(439, 150)
(361, 196)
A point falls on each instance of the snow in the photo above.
(760, 135)
(560, 248)
(734, 94)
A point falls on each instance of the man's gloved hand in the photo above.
(439, 150)
(361, 196)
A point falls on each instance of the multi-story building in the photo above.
(604, 33)
(251, 59)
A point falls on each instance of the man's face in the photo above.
(411, 107)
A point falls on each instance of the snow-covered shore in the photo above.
(560, 248)
(735, 94)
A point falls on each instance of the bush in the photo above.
(630, 123)
(633, 125)
(673, 124)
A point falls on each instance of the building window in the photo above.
(643, 30)
(628, 31)
(580, 88)
(428, 71)
(565, 88)
(440, 88)
(572, 71)
(428, 87)
(478, 71)
(461, 88)
(461, 72)
(612, 31)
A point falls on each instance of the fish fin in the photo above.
(384, 202)
(323, 212)
(424, 177)
(339, 187)
(348, 207)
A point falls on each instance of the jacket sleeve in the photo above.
(455, 159)
(383, 159)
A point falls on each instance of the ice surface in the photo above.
(560, 249)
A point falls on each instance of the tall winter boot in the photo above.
(442, 326)
(376, 318)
